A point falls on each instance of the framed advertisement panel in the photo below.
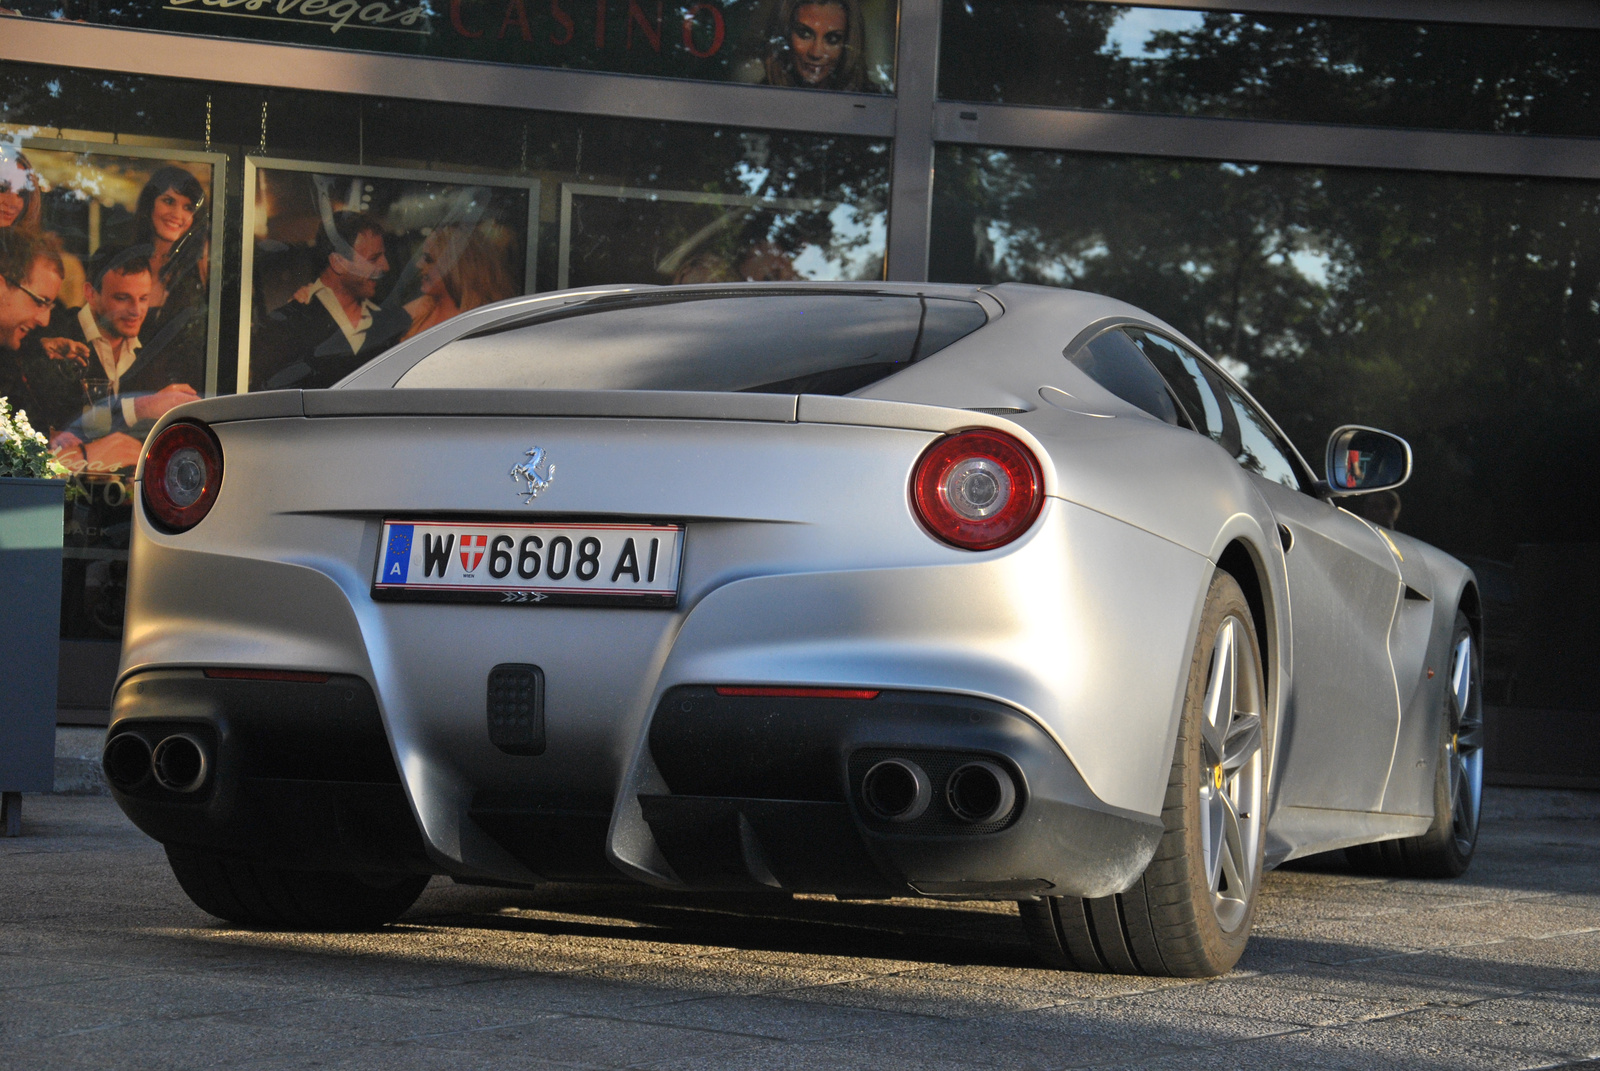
(342, 261)
(685, 236)
(844, 45)
(133, 332)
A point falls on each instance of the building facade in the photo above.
(1372, 212)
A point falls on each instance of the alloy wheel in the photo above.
(1465, 747)
(1230, 788)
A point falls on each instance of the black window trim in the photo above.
(1309, 483)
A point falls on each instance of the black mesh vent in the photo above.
(516, 709)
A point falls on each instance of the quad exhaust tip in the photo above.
(979, 792)
(896, 790)
(180, 762)
(126, 760)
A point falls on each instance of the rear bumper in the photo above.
(767, 792)
(297, 774)
(1050, 642)
(759, 793)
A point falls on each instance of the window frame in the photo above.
(1310, 484)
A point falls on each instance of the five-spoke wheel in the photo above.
(1230, 791)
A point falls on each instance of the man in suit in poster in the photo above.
(122, 388)
(332, 327)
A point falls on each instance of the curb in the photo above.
(78, 771)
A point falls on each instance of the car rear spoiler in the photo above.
(646, 404)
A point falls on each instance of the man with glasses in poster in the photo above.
(30, 280)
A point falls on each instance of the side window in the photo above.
(1195, 386)
(1220, 411)
(1262, 452)
(1114, 362)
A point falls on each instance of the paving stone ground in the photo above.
(104, 964)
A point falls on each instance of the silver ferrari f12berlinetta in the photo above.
(986, 593)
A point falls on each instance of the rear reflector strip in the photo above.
(267, 675)
(801, 693)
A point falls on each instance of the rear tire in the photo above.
(1189, 914)
(1446, 849)
(248, 894)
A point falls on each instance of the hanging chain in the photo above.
(208, 122)
(263, 149)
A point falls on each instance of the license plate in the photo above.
(529, 564)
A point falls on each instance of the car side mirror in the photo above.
(1362, 460)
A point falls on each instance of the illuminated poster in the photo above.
(125, 331)
(819, 44)
(341, 262)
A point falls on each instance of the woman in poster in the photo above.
(461, 268)
(22, 205)
(817, 44)
(171, 220)
(19, 190)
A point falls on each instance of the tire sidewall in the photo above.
(1442, 833)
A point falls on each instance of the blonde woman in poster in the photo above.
(462, 267)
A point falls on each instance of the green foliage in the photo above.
(24, 452)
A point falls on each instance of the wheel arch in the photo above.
(1239, 560)
(1470, 603)
(1266, 592)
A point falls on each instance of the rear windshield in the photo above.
(794, 343)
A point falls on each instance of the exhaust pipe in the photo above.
(980, 792)
(180, 763)
(896, 790)
(126, 760)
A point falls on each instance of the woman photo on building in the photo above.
(817, 44)
(22, 205)
(171, 220)
(19, 190)
(460, 268)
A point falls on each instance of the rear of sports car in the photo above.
(537, 611)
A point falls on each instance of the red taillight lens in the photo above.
(977, 489)
(182, 472)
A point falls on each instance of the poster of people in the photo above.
(611, 233)
(812, 44)
(110, 320)
(341, 263)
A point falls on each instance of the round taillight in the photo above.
(182, 472)
(977, 489)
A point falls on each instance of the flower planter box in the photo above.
(30, 628)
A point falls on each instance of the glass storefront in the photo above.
(467, 205)
(1258, 65)
(1422, 253)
